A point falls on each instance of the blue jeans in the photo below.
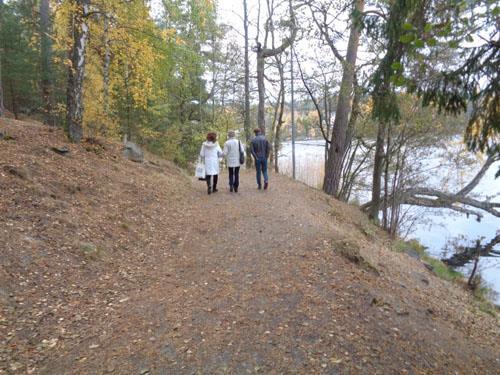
(261, 167)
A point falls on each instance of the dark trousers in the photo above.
(209, 180)
(261, 169)
(234, 177)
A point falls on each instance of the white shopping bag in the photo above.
(200, 170)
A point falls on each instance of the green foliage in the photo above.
(438, 268)
(484, 295)
(407, 38)
(18, 42)
(441, 270)
(153, 89)
(399, 34)
(469, 82)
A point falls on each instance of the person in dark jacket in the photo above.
(260, 149)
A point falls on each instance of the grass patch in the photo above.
(90, 251)
(482, 293)
(401, 246)
(441, 270)
(368, 229)
(416, 250)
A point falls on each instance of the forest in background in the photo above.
(379, 80)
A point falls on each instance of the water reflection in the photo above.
(433, 228)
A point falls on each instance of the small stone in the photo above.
(133, 152)
(60, 150)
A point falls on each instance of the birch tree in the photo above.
(47, 83)
(76, 71)
(2, 108)
(246, 121)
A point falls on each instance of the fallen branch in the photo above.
(459, 201)
(466, 254)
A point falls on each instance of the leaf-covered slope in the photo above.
(113, 266)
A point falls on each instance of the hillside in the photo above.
(110, 266)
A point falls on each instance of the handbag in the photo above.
(242, 154)
(200, 170)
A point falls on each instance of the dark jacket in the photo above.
(260, 147)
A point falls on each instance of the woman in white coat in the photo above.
(210, 153)
(232, 149)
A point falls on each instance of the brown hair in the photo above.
(257, 131)
(211, 137)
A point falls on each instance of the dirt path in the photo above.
(253, 285)
(109, 266)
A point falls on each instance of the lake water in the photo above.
(434, 227)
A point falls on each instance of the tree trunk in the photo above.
(262, 54)
(377, 172)
(13, 99)
(106, 65)
(126, 81)
(246, 122)
(472, 282)
(385, 202)
(327, 117)
(261, 88)
(385, 107)
(395, 188)
(46, 57)
(2, 108)
(80, 32)
(333, 166)
(279, 122)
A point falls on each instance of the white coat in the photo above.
(232, 153)
(210, 153)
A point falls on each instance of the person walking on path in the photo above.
(260, 149)
(233, 149)
(210, 153)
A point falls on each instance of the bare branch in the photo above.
(473, 183)
(315, 102)
(459, 202)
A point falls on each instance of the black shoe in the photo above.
(235, 189)
(231, 189)
(259, 187)
(215, 190)
(265, 185)
(209, 190)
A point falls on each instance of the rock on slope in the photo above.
(112, 266)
